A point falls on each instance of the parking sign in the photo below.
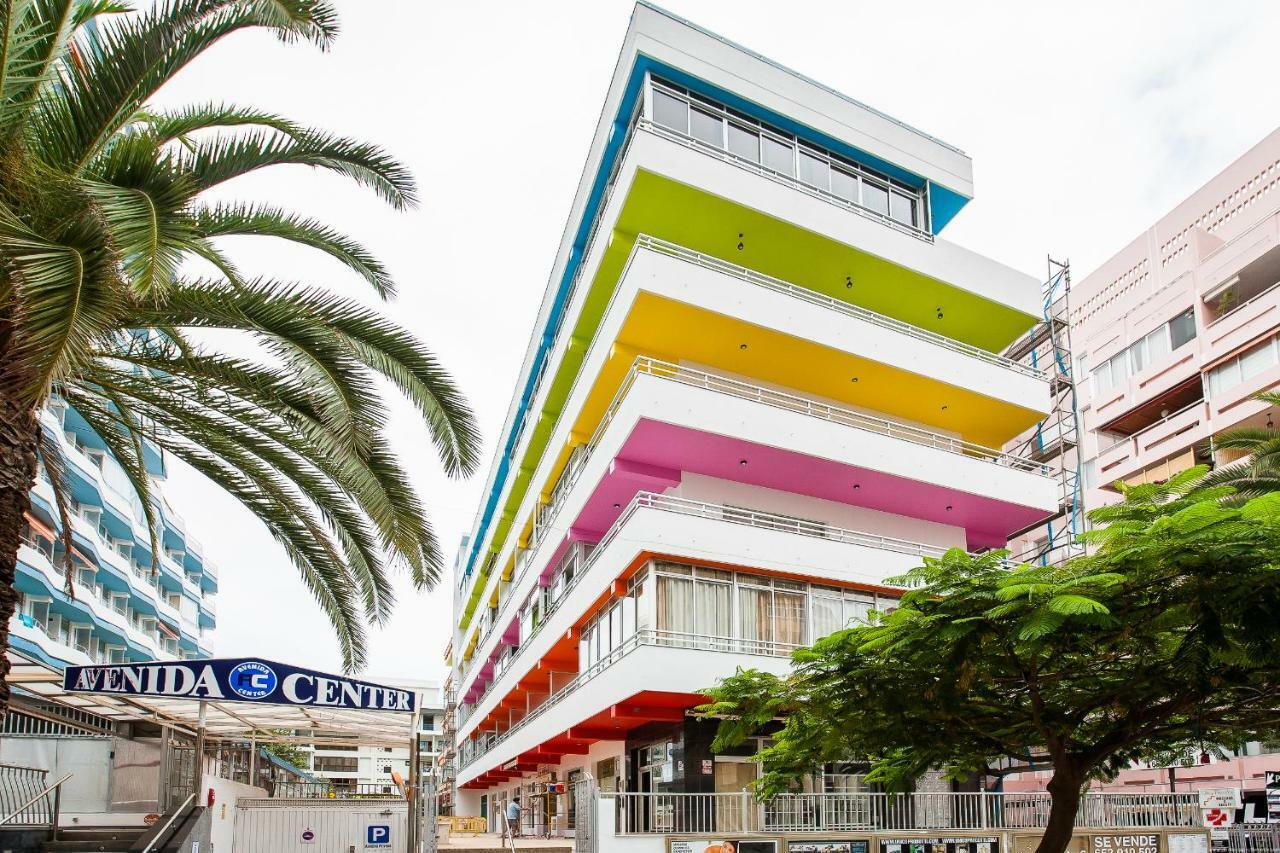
(377, 835)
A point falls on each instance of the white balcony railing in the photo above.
(683, 506)
(545, 514)
(696, 814)
(795, 291)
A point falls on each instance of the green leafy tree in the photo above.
(287, 750)
(1164, 637)
(1257, 473)
(102, 203)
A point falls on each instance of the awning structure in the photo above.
(226, 719)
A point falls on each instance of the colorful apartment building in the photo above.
(760, 384)
(129, 604)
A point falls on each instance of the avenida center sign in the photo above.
(236, 680)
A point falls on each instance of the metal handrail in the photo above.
(720, 512)
(685, 506)
(644, 365)
(706, 813)
(789, 181)
(56, 790)
(655, 244)
(826, 411)
(167, 824)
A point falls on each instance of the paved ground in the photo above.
(492, 842)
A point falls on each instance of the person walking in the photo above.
(513, 818)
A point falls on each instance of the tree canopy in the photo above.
(104, 208)
(1164, 635)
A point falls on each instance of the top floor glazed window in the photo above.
(718, 126)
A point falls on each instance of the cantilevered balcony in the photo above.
(697, 530)
(666, 419)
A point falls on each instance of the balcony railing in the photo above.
(644, 241)
(648, 813)
(683, 506)
(545, 515)
(816, 409)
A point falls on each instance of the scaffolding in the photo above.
(1055, 441)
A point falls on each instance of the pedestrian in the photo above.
(513, 818)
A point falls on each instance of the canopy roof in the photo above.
(224, 719)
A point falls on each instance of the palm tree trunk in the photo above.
(19, 439)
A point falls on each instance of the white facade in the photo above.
(373, 769)
(683, 488)
(129, 604)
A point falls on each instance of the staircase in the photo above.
(95, 839)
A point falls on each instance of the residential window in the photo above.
(1243, 367)
(706, 126)
(744, 142)
(670, 111)
(815, 170)
(875, 198)
(778, 156)
(713, 124)
(1182, 329)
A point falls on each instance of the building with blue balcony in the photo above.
(129, 601)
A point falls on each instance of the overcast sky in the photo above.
(1085, 121)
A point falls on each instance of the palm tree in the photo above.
(1259, 471)
(102, 203)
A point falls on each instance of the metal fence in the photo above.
(21, 803)
(1254, 838)
(740, 812)
(330, 791)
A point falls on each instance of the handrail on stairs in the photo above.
(56, 790)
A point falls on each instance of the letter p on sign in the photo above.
(377, 836)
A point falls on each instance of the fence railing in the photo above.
(682, 506)
(1254, 838)
(639, 814)
(329, 791)
(663, 247)
(818, 409)
(18, 787)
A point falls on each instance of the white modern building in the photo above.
(363, 769)
(760, 384)
(129, 604)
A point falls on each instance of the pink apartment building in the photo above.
(1172, 337)
(1175, 334)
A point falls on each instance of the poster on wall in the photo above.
(725, 845)
(972, 844)
(842, 845)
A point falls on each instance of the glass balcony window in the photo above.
(717, 126)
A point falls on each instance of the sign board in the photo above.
(1138, 842)
(377, 835)
(236, 680)
(724, 845)
(1220, 798)
(1272, 782)
(942, 844)
(1188, 842)
(828, 845)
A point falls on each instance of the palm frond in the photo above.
(65, 293)
(55, 468)
(237, 219)
(129, 58)
(232, 155)
(35, 35)
(331, 328)
(170, 125)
